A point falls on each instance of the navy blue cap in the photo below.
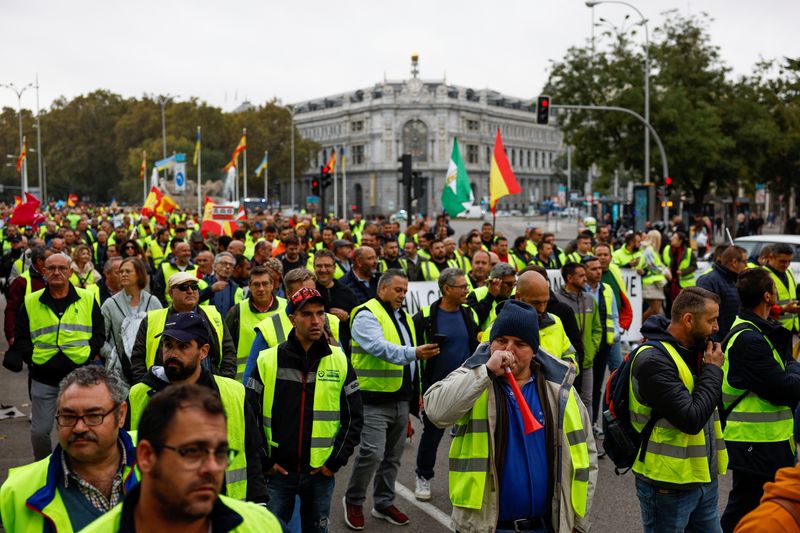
(186, 327)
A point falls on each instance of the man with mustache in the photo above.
(181, 485)
(184, 346)
(89, 471)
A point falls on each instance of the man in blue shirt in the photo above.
(458, 324)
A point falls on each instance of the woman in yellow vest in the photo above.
(551, 486)
(83, 271)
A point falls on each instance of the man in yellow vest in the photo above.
(760, 390)
(89, 471)
(384, 355)
(183, 453)
(30, 281)
(242, 319)
(310, 403)
(184, 292)
(778, 267)
(677, 375)
(181, 261)
(58, 329)
(538, 481)
(184, 346)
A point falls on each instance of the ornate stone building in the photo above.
(421, 117)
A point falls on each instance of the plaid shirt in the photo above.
(94, 496)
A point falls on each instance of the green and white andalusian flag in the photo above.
(456, 191)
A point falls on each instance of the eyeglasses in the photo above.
(188, 287)
(461, 287)
(130, 247)
(193, 456)
(226, 264)
(57, 269)
(90, 419)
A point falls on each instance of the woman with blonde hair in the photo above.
(655, 275)
(83, 271)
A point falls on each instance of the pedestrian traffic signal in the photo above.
(315, 187)
(543, 110)
(405, 169)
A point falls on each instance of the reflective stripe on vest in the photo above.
(328, 382)
(275, 328)
(608, 296)
(375, 374)
(470, 464)
(686, 280)
(786, 294)
(232, 395)
(69, 333)
(167, 270)
(155, 325)
(430, 272)
(672, 455)
(248, 320)
(28, 283)
(754, 419)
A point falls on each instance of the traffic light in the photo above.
(315, 187)
(543, 110)
(325, 177)
(405, 169)
(420, 185)
(668, 186)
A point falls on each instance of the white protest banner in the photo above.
(423, 293)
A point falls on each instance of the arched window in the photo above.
(415, 139)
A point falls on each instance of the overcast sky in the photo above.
(224, 52)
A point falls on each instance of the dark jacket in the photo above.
(256, 485)
(232, 319)
(53, 371)
(361, 292)
(485, 306)
(570, 323)
(655, 378)
(426, 328)
(16, 296)
(340, 296)
(222, 359)
(722, 282)
(752, 367)
(293, 408)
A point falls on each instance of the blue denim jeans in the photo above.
(315, 493)
(676, 511)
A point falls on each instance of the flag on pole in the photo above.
(152, 200)
(242, 214)
(196, 148)
(502, 181)
(17, 200)
(456, 191)
(143, 168)
(238, 150)
(263, 165)
(25, 213)
(332, 162)
(22, 154)
(166, 205)
(343, 158)
(72, 200)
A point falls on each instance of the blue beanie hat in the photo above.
(517, 319)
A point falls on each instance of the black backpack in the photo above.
(621, 442)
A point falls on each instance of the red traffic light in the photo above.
(314, 183)
(545, 103)
(326, 169)
(668, 181)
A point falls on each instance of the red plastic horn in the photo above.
(530, 422)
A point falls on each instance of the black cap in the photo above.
(186, 327)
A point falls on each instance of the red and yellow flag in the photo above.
(72, 200)
(22, 154)
(143, 168)
(502, 181)
(241, 147)
(332, 162)
(152, 201)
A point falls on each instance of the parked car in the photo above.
(754, 243)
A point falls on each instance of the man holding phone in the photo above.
(676, 386)
(451, 324)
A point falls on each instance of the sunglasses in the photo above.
(188, 287)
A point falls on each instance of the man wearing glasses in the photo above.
(58, 329)
(89, 471)
(222, 292)
(454, 327)
(183, 453)
(184, 345)
(184, 291)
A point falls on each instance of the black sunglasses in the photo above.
(186, 287)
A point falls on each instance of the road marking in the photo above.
(425, 507)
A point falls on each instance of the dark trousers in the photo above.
(315, 493)
(746, 492)
(599, 365)
(428, 444)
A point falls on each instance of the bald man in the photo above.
(533, 289)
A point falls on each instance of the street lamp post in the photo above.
(163, 101)
(592, 3)
(19, 93)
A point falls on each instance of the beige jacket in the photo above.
(450, 399)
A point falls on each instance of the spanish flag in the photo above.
(22, 154)
(143, 168)
(502, 181)
(152, 201)
(241, 147)
(332, 162)
(72, 200)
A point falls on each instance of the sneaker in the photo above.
(392, 515)
(597, 429)
(353, 515)
(422, 492)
